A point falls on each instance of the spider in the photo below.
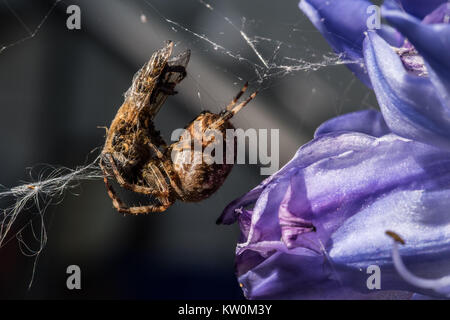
(136, 156)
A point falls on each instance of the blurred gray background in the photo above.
(59, 85)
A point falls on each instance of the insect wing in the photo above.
(171, 78)
(145, 80)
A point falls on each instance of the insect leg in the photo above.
(117, 203)
(167, 85)
(168, 89)
(178, 69)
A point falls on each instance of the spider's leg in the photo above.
(117, 203)
(144, 209)
(237, 108)
(235, 99)
(121, 207)
(133, 187)
(228, 114)
(173, 179)
(156, 150)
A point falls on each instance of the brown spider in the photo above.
(137, 157)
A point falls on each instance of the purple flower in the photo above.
(314, 228)
(412, 83)
(411, 79)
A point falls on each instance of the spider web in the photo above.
(31, 33)
(243, 47)
(267, 67)
(46, 188)
(267, 61)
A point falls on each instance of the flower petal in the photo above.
(370, 122)
(418, 8)
(439, 15)
(410, 104)
(343, 24)
(433, 43)
(326, 146)
(350, 198)
(420, 215)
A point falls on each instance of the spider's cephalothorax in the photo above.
(137, 157)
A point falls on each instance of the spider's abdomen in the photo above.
(199, 157)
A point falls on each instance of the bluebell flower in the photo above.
(317, 227)
(408, 67)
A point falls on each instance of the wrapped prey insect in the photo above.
(137, 157)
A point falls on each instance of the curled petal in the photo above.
(410, 105)
(370, 122)
(391, 35)
(418, 8)
(343, 24)
(439, 15)
(433, 43)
